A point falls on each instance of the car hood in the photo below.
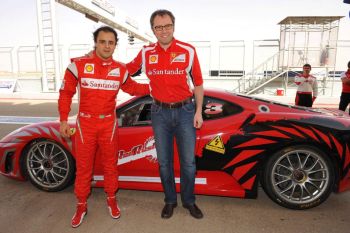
(331, 112)
(31, 130)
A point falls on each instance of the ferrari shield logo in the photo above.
(178, 57)
(115, 72)
(72, 131)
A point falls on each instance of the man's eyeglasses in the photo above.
(164, 27)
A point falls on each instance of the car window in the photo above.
(135, 114)
(139, 112)
(216, 108)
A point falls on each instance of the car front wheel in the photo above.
(48, 165)
(298, 177)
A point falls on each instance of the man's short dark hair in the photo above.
(307, 65)
(161, 13)
(105, 29)
(349, 65)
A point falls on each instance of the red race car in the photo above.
(299, 155)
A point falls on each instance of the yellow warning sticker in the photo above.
(216, 145)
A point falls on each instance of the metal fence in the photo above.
(224, 63)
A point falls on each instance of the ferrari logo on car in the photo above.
(216, 145)
(72, 131)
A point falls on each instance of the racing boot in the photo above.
(79, 214)
(112, 204)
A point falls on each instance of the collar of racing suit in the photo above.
(102, 62)
(169, 49)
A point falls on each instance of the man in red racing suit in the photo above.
(307, 87)
(345, 94)
(98, 79)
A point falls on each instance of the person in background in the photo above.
(98, 79)
(345, 94)
(307, 87)
(171, 66)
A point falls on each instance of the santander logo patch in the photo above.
(101, 84)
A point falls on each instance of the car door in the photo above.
(222, 119)
(136, 149)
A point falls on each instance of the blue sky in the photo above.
(195, 20)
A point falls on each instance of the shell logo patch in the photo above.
(153, 59)
(89, 68)
(216, 145)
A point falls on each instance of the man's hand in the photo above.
(65, 129)
(198, 120)
(198, 94)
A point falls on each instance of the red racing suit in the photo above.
(346, 87)
(345, 94)
(170, 71)
(98, 82)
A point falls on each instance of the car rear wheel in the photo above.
(48, 165)
(298, 177)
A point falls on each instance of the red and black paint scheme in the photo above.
(299, 155)
(245, 153)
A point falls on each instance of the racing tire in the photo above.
(298, 177)
(48, 165)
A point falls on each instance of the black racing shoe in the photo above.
(194, 211)
(168, 210)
